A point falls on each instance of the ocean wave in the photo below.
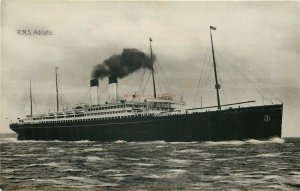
(72, 170)
(148, 142)
(296, 173)
(159, 142)
(143, 164)
(161, 146)
(134, 159)
(26, 155)
(177, 171)
(89, 181)
(112, 170)
(52, 164)
(51, 181)
(81, 179)
(268, 155)
(217, 143)
(15, 140)
(52, 148)
(207, 155)
(149, 167)
(191, 142)
(93, 158)
(277, 140)
(93, 149)
(118, 175)
(271, 140)
(154, 176)
(83, 141)
(274, 177)
(249, 141)
(120, 141)
(9, 140)
(295, 179)
(179, 161)
(188, 151)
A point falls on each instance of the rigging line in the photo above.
(141, 81)
(48, 101)
(224, 96)
(239, 71)
(23, 105)
(162, 87)
(165, 81)
(205, 73)
(271, 93)
(256, 83)
(66, 102)
(144, 77)
(196, 94)
(34, 105)
(121, 90)
(200, 77)
(205, 76)
(204, 63)
(146, 83)
(160, 81)
(208, 79)
(82, 99)
(165, 87)
(22, 110)
(86, 98)
(104, 90)
(198, 85)
(232, 81)
(140, 72)
(158, 85)
(61, 101)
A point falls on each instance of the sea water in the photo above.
(120, 165)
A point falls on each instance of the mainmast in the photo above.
(57, 104)
(152, 62)
(30, 99)
(217, 86)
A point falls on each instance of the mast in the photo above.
(153, 79)
(217, 86)
(30, 99)
(57, 104)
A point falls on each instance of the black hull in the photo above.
(259, 122)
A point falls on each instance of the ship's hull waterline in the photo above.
(258, 122)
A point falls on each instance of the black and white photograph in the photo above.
(150, 95)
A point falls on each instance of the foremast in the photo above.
(217, 86)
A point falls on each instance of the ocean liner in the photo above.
(156, 118)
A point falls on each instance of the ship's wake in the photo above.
(249, 141)
(233, 142)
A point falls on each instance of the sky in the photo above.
(257, 48)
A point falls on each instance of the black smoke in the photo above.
(123, 64)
